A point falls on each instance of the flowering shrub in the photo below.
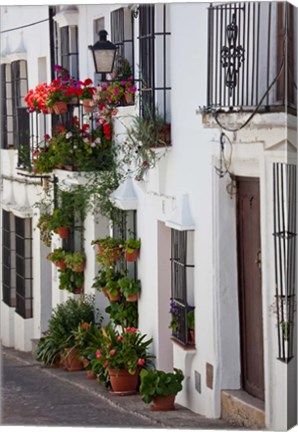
(123, 350)
(80, 148)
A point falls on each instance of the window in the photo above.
(99, 24)
(154, 52)
(124, 229)
(8, 260)
(14, 115)
(182, 274)
(67, 52)
(24, 294)
(122, 37)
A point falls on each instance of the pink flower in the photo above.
(106, 363)
(119, 338)
(134, 330)
(141, 362)
(112, 352)
(98, 354)
(127, 329)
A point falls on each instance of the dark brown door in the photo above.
(250, 286)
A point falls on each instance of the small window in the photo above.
(122, 37)
(69, 52)
(24, 286)
(154, 59)
(182, 287)
(125, 228)
(8, 260)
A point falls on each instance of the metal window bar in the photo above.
(24, 278)
(284, 225)
(122, 33)
(8, 260)
(125, 228)
(241, 39)
(179, 305)
(153, 90)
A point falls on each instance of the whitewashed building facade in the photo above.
(216, 215)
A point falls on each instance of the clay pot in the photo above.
(90, 374)
(61, 264)
(123, 381)
(63, 232)
(191, 336)
(132, 298)
(60, 107)
(128, 98)
(132, 257)
(163, 403)
(114, 297)
(72, 361)
(88, 108)
(79, 269)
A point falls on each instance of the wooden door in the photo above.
(250, 286)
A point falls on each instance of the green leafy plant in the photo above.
(127, 349)
(60, 218)
(132, 244)
(48, 350)
(57, 255)
(71, 281)
(45, 232)
(123, 313)
(159, 383)
(129, 286)
(75, 260)
(110, 250)
(191, 319)
(64, 320)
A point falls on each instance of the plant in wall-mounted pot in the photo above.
(57, 257)
(75, 261)
(100, 282)
(71, 281)
(130, 288)
(112, 285)
(132, 247)
(191, 324)
(160, 388)
(60, 223)
(109, 250)
(45, 232)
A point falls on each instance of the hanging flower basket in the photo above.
(123, 381)
(60, 107)
(132, 257)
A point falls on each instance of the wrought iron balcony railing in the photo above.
(252, 56)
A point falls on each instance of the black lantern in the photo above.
(104, 53)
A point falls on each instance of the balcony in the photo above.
(252, 57)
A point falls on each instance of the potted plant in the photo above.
(123, 313)
(86, 95)
(130, 288)
(160, 388)
(75, 261)
(71, 281)
(64, 320)
(60, 222)
(100, 282)
(123, 354)
(58, 257)
(109, 250)
(132, 247)
(112, 284)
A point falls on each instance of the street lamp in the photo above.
(104, 53)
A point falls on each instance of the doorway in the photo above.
(250, 285)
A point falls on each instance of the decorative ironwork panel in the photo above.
(284, 208)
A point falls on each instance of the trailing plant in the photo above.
(60, 218)
(45, 232)
(156, 383)
(75, 260)
(110, 250)
(57, 255)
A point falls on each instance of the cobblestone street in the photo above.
(35, 395)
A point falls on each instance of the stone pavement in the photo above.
(181, 418)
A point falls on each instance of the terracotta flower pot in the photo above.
(114, 297)
(88, 108)
(79, 268)
(78, 291)
(105, 292)
(72, 361)
(61, 264)
(163, 403)
(63, 232)
(50, 110)
(132, 257)
(191, 336)
(128, 98)
(60, 107)
(90, 374)
(132, 298)
(123, 381)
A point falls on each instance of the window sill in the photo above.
(188, 348)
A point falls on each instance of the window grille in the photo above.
(69, 53)
(179, 307)
(154, 51)
(122, 37)
(8, 260)
(284, 234)
(125, 228)
(24, 293)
